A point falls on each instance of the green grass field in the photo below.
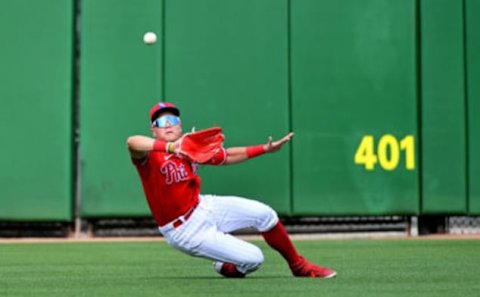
(365, 268)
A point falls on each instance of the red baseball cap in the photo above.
(161, 107)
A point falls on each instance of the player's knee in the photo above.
(268, 218)
(255, 261)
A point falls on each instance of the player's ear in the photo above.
(154, 132)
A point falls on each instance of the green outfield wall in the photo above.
(383, 97)
(472, 62)
(226, 64)
(354, 101)
(36, 67)
(120, 78)
(444, 175)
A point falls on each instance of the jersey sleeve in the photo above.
(140, 162)
(219, 159)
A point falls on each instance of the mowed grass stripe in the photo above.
(365, 267)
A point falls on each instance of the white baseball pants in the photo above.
(205, 233)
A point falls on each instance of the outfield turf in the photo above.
(365, 268)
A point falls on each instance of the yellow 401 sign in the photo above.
(387, 153)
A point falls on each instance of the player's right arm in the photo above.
(139, 146)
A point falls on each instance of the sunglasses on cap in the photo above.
(162, 121)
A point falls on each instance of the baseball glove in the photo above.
(201, 146)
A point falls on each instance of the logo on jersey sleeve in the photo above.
(194, 168)
(173, 172)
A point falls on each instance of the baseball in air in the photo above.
(150, 38)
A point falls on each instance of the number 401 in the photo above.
(366, 155)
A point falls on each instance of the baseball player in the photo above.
(200, 225)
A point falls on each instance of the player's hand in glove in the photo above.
(200, 146)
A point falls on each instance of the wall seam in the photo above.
(290, 104)
(76, 162)
(418, 57)
(163, 55)
(465, 91)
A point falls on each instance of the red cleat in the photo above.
(305, 268)
(228, 270)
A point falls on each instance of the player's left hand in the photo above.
(274, 146)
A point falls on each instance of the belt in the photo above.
(182, 219)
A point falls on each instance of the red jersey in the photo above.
(171, 184)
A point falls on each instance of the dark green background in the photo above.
(353, 74)
(443, 107)
(331, 71)
(472, 64)
(226, 64)
(120, 78)
(36, 110)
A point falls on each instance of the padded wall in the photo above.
(36, 110)
(226, 64)
(354, 106)
(120, 81)
(444, 172)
